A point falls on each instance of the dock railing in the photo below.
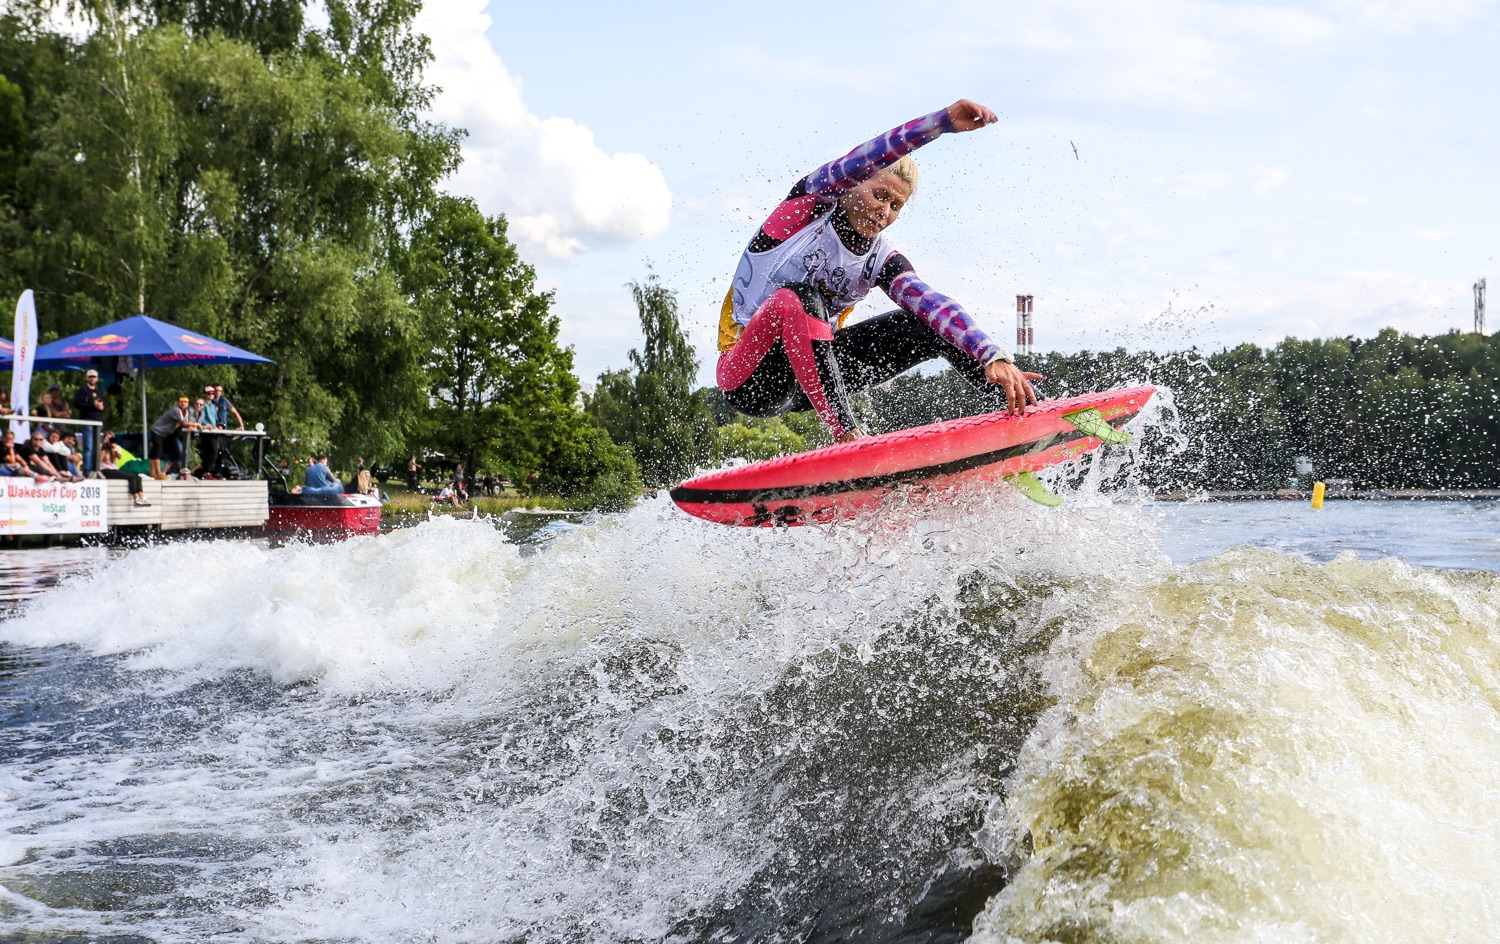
(259, 435)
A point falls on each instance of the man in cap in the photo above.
(88, 403)
(209, 420)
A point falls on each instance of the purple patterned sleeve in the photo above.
(870, 158)
(947, 317)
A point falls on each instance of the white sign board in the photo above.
(27, 507)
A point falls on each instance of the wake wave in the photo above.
(661, 729)
(1260, 749)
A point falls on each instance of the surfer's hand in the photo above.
(967, 115)
(1015, 382)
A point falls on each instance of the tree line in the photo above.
(1392, 411)
(227, 167)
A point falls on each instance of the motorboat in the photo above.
(322, 517)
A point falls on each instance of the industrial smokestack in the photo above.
(1025, 336)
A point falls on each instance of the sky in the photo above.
(1243, 172)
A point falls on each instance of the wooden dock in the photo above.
(182, 506)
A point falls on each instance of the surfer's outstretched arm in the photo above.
(948, 319)
(880, 152)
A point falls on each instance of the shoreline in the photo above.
(1343, 494)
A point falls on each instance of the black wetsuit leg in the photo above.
(877, 349)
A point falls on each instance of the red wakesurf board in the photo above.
(825, 484)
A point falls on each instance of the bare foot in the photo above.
(850, 435)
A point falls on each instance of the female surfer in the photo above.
(782, 343)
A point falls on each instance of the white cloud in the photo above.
(1403, 16)
(1201, 183)
(561, 192)
(1187, 54)
(1269, 178)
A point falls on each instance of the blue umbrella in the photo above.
(150, 343)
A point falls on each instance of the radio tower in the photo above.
(1025, 338)
(1479, 308)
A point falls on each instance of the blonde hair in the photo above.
(906, 169)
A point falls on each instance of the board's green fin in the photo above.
(1089, 421)
(1029, 485)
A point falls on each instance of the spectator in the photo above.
(53, 404)
(320, 480)
(225, 408)
(448, 495)
(10, 462)
(166, 441)
(5, 408)
(208, 446)
(413, 476)
(88, 403)
(35, 457)
(75, 456)
(109, 467)
(60, 454)
(461, 480)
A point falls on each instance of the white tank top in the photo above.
(813, 255)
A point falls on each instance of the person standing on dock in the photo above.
(206, 415)
(166, 437)
(89, 403)
(224, 407)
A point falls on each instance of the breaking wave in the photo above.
(995, 719)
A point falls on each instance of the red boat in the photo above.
(322, 517)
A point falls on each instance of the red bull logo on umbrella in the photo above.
(99, 344)
(203, 344)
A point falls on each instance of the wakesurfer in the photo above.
(782, 340)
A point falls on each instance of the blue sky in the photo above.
(1245, 171)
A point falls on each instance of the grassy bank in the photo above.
(406, 506)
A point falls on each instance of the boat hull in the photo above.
(332, 517)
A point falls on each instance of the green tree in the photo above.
(585, 465)
(502, 387)
(652, 407)
(258, 198)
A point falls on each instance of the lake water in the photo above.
(1115, 721)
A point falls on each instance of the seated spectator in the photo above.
(75, 454)
(5, 407)
(320, 480)
(35, 457)
(60, 454)
(448, 495)
(110, 455)
(10, 462)
(166, 441)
